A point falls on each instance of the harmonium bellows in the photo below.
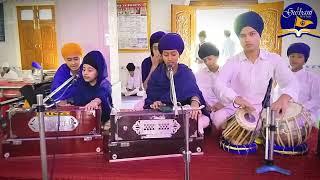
(151, 134)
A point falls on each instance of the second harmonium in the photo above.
(151, 134)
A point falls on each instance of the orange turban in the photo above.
(71, 49)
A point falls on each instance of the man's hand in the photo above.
(156, 105)
(244, 104)
(196, 112)
(217, 107)
(281, 105)
(155, 60)
(63, 103)
(94, 104)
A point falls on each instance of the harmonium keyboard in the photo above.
(68, 130)
(150, 134)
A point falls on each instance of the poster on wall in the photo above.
(2, 34)
(133, 25)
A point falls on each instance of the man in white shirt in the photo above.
(243, 80)
(133, 84)
(309, 82)
(198, 63)
(205, 77)
(229, 47)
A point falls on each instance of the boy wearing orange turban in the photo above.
(72, 54)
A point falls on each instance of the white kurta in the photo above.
(250, 80)
(205, 79)
(309, 94)
(240, 77)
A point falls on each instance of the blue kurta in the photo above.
(85, 93)
(62, 74)
(145, 68)
(185, 84)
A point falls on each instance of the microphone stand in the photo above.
(59, 88)
(173, 91)
(270, 129)
(43, 151)
(186, 153)
(40, 108)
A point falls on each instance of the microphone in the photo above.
(75, 79)
(173, 90)
(266, 99)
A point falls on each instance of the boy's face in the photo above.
(249, 39)
(202, 39)
(131, 73)
(296, 61)
(211, 61)
(89, 73)
(170, 57)
(73, 62)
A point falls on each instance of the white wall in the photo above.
(313, 42)
(82, 22)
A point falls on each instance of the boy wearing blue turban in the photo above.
(171, 47)
(93, 90)
(243, 80)
(309, 82)
(151, 63)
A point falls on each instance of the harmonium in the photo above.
(151, 134)
(68, 130)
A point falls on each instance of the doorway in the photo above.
(37, 36)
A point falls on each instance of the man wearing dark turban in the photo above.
(171, 47)
(309, 82)
(243, 80)
(151, 63)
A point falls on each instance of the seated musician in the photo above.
(72, 54)
(92, 88)
(309, 82)
(209, 53)
(243, 80)
(149, 64)
(171, 47)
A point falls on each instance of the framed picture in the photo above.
(133, 25)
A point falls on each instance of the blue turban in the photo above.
(251, 19)
(207, 49)
(155, 38)
(171, 41)
(300, 48)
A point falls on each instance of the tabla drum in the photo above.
(292, 130)
(241, 128)
(240, 133)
